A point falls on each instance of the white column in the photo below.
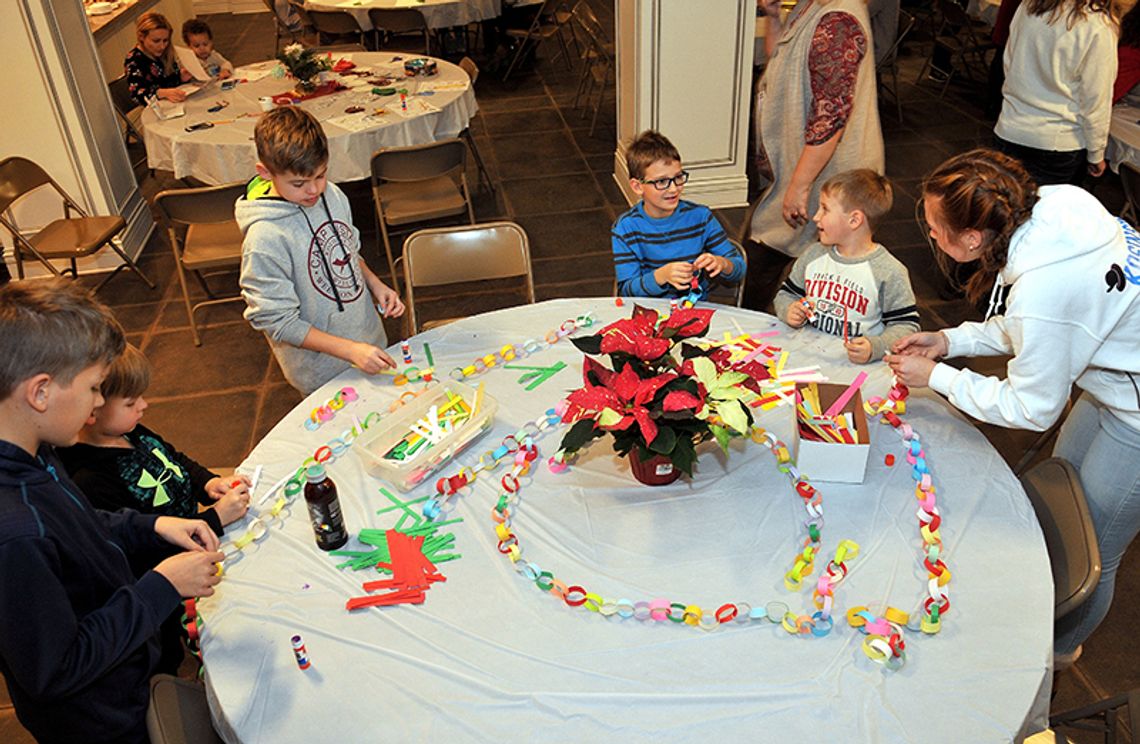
(684, 68)
(58, 113)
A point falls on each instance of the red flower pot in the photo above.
(656, 471)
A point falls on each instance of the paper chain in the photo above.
(510, 352)
(321, 414)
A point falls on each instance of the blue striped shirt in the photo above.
(642, 244)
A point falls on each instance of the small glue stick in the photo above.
(299, 653)
(672, 306)
(406, 348)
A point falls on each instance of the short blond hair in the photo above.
(128, 376)
(862, 189)
(53, 327)
(290, 140)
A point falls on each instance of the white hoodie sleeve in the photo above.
(1097, 74)
(1049, 353)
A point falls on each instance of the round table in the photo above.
(436, 13)
(226, 153)
(1124, 135)
(488, 655)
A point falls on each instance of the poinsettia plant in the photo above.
(303, 63)
(660, 395)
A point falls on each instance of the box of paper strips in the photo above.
(407, 447)
(830, 453)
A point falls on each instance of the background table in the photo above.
(490, 657)
(437, 13)
(1123, 136)
(226, 153)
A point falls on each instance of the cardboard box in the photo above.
(828, 461)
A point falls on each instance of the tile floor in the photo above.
(554, 179)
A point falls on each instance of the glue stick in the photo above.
(299, 653)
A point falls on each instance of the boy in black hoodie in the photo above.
(78, 632)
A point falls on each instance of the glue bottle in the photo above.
(324, 509)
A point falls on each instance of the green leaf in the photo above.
(722, 436)
(609, 417)
(684, 455)
(705, 371)
(588, 344)
(665, 441)
(579, 434)
(733, 414)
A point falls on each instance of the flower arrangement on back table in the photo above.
(303, 64)
(662, 397)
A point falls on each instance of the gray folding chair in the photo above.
(396, 21)
(456, 255)
(333, 26)
(204, 237)
(69, 238)
(179, 712)
(1054, 489)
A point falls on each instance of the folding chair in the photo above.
(179, 713)
(393, 21)
(416, 184)
(468, 65)
(1105, 712)
(1054, 489)
(284, 27)
(962, 39)
(123, 104)
(333, 26)
(598, 64)
(68, 238)
(1130, 180)
(456, 255)
(204, 237)
(546, 24)
(890, 61)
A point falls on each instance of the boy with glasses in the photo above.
(663, 242)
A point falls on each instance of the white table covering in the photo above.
(1123, 136)
(226, 153)
(489, 657)
(437, 13)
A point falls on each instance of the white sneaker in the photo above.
(1061, 662)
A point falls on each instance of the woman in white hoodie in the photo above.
(1072, 316)
(1060, 64)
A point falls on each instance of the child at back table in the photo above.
(200, 40)
(305, 284)
(664, 241)
(847, 284)
(78, 630)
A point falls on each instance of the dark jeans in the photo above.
(766, 269)
(1047, 167)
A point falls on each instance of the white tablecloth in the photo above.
(1123, 136)
(437, 13)
(490, 657)
(226, 152)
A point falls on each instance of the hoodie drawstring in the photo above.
(996, 298)
(324, 258)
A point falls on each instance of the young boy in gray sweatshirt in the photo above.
(847, 284)
(304, 283)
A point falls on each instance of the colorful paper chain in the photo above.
(510, 352)
(324, 413)
(525, 452)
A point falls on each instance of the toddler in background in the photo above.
(847, 284)
(200, 41)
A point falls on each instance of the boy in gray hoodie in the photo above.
(304, 283)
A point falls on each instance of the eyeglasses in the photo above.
(663, 183)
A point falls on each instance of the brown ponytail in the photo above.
(986, 191)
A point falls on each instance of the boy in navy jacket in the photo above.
(78, 631)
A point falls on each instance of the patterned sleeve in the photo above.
(837, 48)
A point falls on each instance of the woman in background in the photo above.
(150, 66)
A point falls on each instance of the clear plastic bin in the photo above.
(387, 434)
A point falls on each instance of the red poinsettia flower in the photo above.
(633, 336)
(689, 321)
(625, 394)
